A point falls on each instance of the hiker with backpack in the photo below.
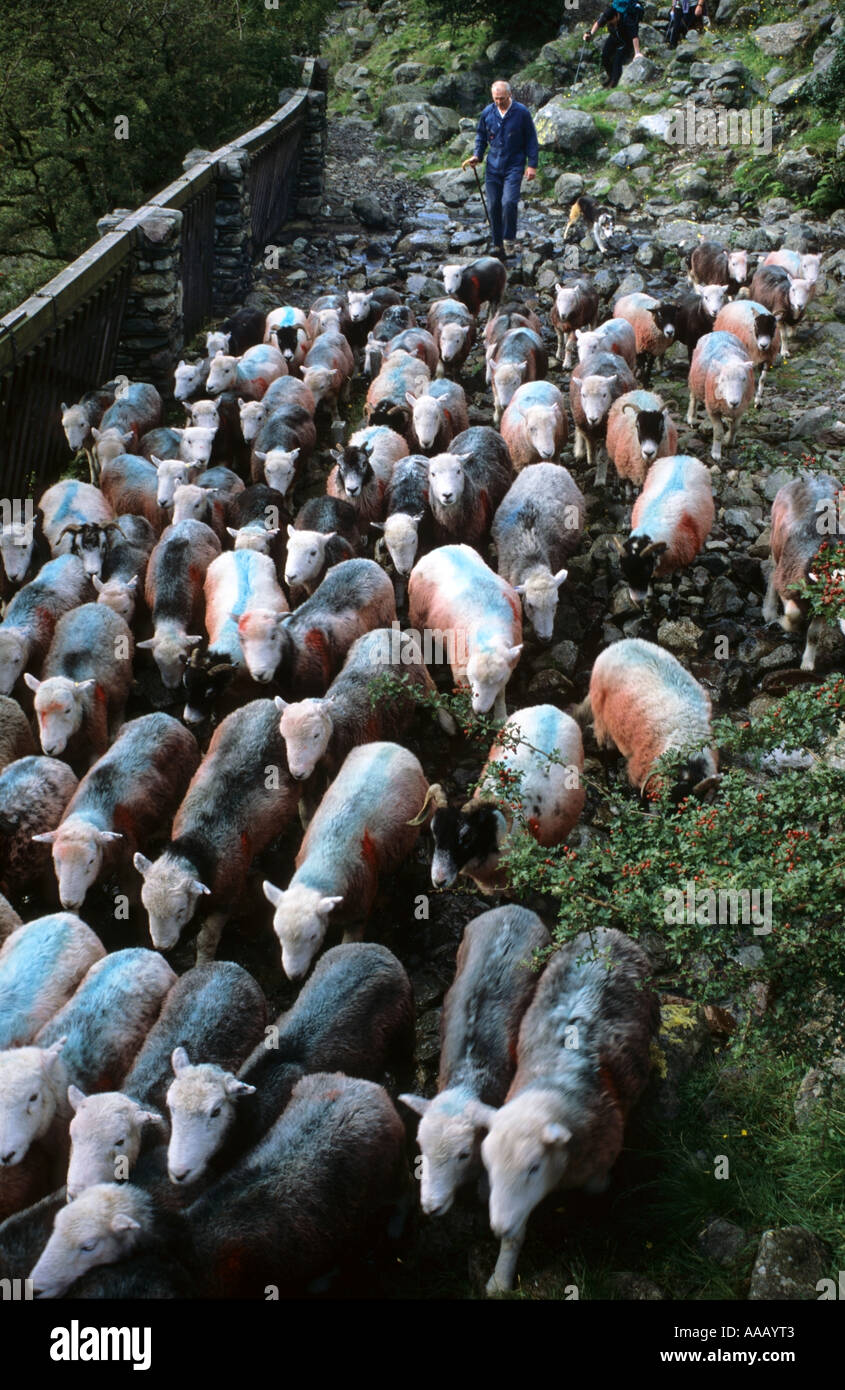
(683, 16)
(622, 18)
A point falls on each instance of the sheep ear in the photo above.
(45, 838)
(514, 653)
(560, 577)
(294, 455)
(260, 456)
(52, 1052)
(519, 589)
(156, 461)
(326, 904)
(65, 407)
(147, 645)
(32, 681)
(98, 585)
(273, 894)
(233, 1087)
(291, 532)
(142, 863)
(84, 685)
(554, 1135)
(482, 1116)
(200, 887)
(418, 1104)
(95, 434)
(105, 837)
(121, 1221)
(410, 398)
(179, 1060)
(75, 1097)
(281, 705)
(150, 1117)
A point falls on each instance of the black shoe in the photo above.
(498, 252)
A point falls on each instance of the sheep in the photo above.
(519, 357)
(283, 447)
(285, 316)
(322, 731)
(34, 1110)
(408, 524)
(293, 341)
(466, 485)
(806, 267)
(136, 408)
(576, 306)
(329, 313)
(311, 1193)
(654, 326)
(306, 649)
(395, 319)
(256, 516)
(783, 296)
(190, 378)
(172, 474)
(196, 445)
(757, 330)
(9, 918)
(355, 1013)
(126, 799)
(327, 372)
(639, 430)
(710, 264)
(533, 774)
(130, 484)
(16, 739)
(86, 683)
(537, 527)
(310, 555)
(437, 415)
(697, 314)
(174, 595)
(231, 811)
(643, 700)
(236, 583)
(534, 425)
(325, 514)
(451, 591)
(244, 329)
(30, 618)
(368, 306)
(363, 469)
(722, 376)
(110, 444)
(34, 792)
(286, 390)
(401, 375)
(125, 565)
(482, 281)
(493, 986)
(41, 965)
(207, 499)
(614, 335)
(65, 508)
(796, 537)
(593, 387)
(671, 520)
(163, 441)
(508, 316)
(416, 341)
(249, 375)
(563, 1119)
(78, 419)
(452, 326)
(361, 829)
(23, 550)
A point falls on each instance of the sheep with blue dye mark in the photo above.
(402, 375)
(639, 430)
(452, 326)
(614, 335)
(363, 469)
(355, 1013)
(757, 329)
(175, 595)
(125, 565)
(208, 499)
(418, 342)
(451, 592)
(86, 683)
(518, 358)
(796, 536)
(34, 792)
(41, 964)
(800, 267)
(122, 803)
(783, 295)
(136, 409)
(595, 384)
(721, 376)
(131, 484)
(79, 419)
(249, 374)
(239, 800)
(642, 700)
(467, 483)
(583, 1062)
(361, 830)
(408, 526)
(534, 425)
(31, 616)
(671, 520)
(537, 527)
(495, 980)
(327, 372)
(68, 506)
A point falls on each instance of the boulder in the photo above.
(781, 40)
(639, 72)
(623, 196)
(799, 171)
(568, 187)
(630, 155)
(418, 125)
(371, 211)
(659, 126)
(789, 1265)
(788, 93)
(467, 91)
(564, 128)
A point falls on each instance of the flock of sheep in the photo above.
(205, 1149)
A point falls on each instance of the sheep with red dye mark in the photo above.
(130, 546)
(697, 314)
(757, 329)
(535, 426)
(508, 316)
(31, 616)
(576, 306)
(408, 526)
(452, 592)
(327, 371)
(324, 534)
(363, 469)
(784, 296)
(401, 375)
(137, 408)
(190, 378)
(671, 520)
(438, 414)
(800, 267)
(329, 314)
(710, 264)
(646, 703)
(466, 485)
(483, 281)
(452, 326)
(639, 430)
(305, 649)
(249, 375)
(286, 390)
(41, 964)
(361, 830)
(654, 327)
(34, 792)
(614, 335)
(495, 980)
(519, 357)
(721, 376)
(231, 811)
(175, 596)
(538, 765)
(65, 508)
(537, 527)
(130, 485)
(416, 341)
(366, 307)
(593, 387)
(283, 447)
(797, 533)
(123, 802)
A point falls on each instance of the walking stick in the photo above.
(481, 191)
(580, 56)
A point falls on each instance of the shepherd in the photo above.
(622, 19)
(507, 128)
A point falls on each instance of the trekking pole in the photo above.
(580, 56)
(481, 191)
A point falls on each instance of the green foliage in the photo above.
(181, 74)
(539, 22)
(826, 92)
(825, 590)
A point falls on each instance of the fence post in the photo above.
(152, 340)
(311, 174)
(233, 249)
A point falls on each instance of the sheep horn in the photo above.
(619, 546)
(72, 526)
(115, 526)
(707, 784)
(434, 794)
(222, 666)
(671, 405)
(629, 405)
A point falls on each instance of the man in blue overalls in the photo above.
(507, 128)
